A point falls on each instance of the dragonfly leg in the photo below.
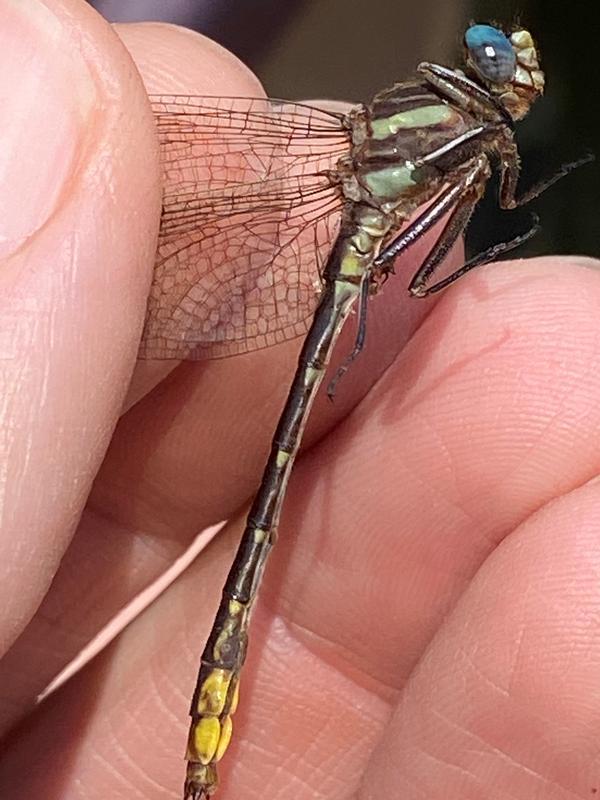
(510, 176)
(491, 254)
(454, 227)
(462, 195)
(508, 200)
(510, 171)
(460, 218)
(473, 180)
(359, 342)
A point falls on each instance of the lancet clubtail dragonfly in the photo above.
(242, 259)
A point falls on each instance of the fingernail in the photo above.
(47, 94)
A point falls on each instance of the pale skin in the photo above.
(430, 620)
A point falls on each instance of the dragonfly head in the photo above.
(506, 65)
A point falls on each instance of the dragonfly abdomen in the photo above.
(216, 696)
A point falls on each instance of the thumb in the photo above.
(79, 210)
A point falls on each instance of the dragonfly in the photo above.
(256, 191)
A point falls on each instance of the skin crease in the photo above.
(429, 621)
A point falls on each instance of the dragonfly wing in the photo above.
(249, 213)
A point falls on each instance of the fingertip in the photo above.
(176, 60)
(49, 92)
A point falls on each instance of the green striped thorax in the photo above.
(390, 138)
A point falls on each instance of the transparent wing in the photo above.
(249, 214)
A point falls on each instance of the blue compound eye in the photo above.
(490, 53)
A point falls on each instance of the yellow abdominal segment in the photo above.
(217, 701)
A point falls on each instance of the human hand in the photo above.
(428, 625)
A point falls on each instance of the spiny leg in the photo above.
(510, 177)
(458, 194)
(476, 176)
(456, 224)
(464, 195)
(485, 257)
(508, 200)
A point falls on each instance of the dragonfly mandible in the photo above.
(244, 261)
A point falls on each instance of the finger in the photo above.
(74, 276)
(504, 704)
(381, 553)
(96, 254)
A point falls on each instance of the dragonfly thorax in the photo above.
(393, 139)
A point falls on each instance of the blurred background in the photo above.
(332, 48)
